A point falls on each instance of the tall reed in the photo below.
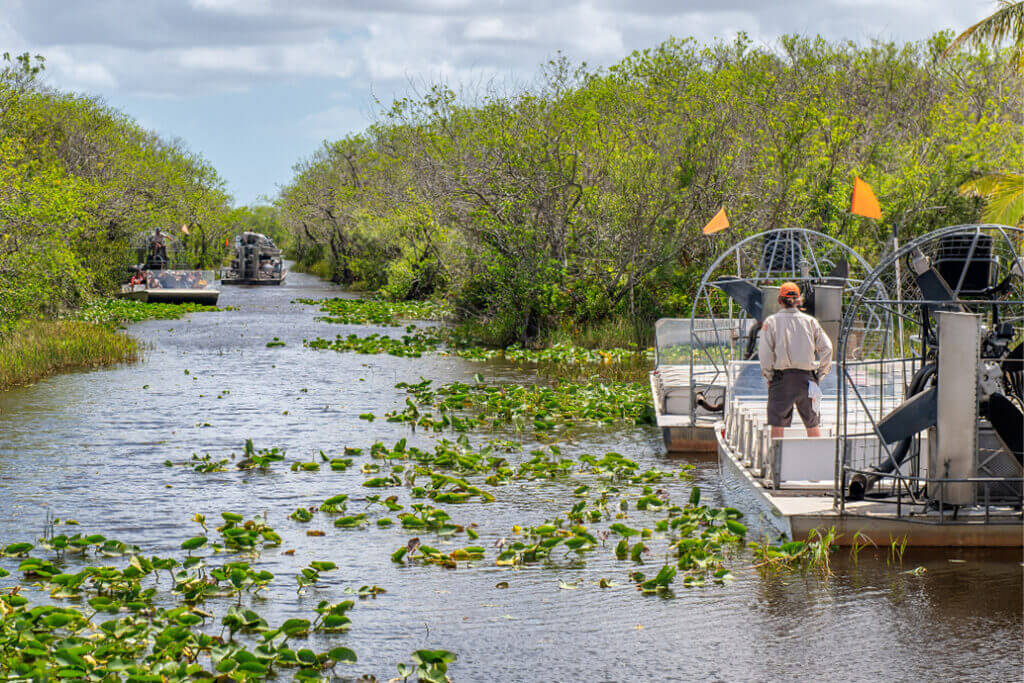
(36, 349)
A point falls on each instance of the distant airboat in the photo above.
(256, 261)
(159, 277)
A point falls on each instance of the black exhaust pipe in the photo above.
(860, 484)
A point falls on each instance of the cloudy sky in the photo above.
(255, 85)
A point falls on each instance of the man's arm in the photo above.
(823, 346)
(766, 349)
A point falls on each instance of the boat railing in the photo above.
(677, 340)
(903, 493)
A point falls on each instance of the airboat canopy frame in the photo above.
(766, 259)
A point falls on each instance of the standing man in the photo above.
(787, 347)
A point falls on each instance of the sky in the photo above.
(257, 85)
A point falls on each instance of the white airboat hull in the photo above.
(796, 513)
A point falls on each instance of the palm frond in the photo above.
(1004, 195)
(1005, 22)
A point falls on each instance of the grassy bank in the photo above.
(322, 269)
(88, 339)
(36, 349)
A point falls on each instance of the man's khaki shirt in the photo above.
(789, 340)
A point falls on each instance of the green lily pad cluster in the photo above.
(113, 312)
(261, 459)
(121, 622)
(463, 406)
(411, 345)
(567, 353)
(375, 311)
(415, 342)
(431, 666)
(416, 553)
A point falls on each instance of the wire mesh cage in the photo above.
(158, 249)
(924, 412)
(740, 289)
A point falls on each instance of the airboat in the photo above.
(155, 280)
(256, 261)
(921, 417)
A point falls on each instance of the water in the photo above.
(91, 446)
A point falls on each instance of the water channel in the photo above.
(92, 446)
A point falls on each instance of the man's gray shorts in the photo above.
(786, 388)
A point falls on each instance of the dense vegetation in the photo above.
(79, 180)
(79, 184)
(576, 203)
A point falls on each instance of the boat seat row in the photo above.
(795, 460)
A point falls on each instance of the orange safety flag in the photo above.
(184, 229)
(719, 222)
(864, 201)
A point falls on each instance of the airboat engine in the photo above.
(960, 427)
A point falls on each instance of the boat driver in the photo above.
(789, 341)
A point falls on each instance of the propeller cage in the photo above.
(930, 404)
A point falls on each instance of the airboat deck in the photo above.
(174, 287)
(795, 508)
(207, 297)
(254, 281)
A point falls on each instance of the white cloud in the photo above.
(496, 28)
(319, 58)
(178, 62)
(77, 73)
(162, 46)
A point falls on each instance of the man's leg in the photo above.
(779, 408)
(805, 407)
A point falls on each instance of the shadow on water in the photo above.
(93, 445)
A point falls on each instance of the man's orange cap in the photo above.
(789, 289)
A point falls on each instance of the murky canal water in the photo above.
(92, 446)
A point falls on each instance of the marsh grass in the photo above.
(860, 541)
(897, 546)
(814, 553)
(633, 370)
(322, 269)
(614, 332)
(37, 349)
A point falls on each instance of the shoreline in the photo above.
(38, 349)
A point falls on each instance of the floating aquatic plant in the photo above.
(127, 628)
(462, 406)
(374, 311)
